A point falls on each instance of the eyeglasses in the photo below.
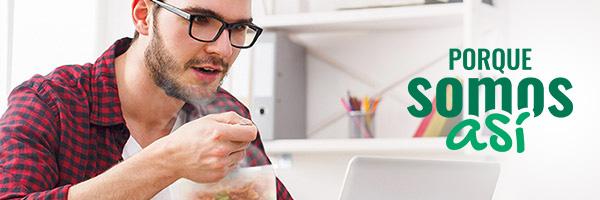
(208, 28)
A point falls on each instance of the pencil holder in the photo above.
(361, 124)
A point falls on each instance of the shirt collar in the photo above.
(105, 106)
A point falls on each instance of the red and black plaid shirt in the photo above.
(67, 127)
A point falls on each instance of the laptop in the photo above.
(394, 178)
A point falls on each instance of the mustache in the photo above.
(212, 60)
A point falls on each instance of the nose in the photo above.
(222, 46)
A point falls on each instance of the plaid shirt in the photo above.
(67, 127)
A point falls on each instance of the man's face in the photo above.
(176, 61)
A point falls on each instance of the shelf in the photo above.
(387, 145)
(395, 18)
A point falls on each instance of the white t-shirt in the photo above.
(132, 147)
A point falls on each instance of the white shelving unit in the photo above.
(379, 145)
(474, 18)
(301, 162)
(367, 19)
(433, 146)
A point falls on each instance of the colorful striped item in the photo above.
(435, 125)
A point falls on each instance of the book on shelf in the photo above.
(425, 122)
(436, 125)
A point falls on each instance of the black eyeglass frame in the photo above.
(225, 25)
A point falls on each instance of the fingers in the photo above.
(235, 158)
(230, 118)
(232, 161)
(236, 152)
(239, 146)
(236, 133)
(227, 148)
(231, 127)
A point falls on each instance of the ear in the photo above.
(140, 15)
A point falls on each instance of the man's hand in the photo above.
(207, 149)
(204, 150)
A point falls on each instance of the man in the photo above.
(63, 135)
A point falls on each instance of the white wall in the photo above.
(5, 27)
(113, 22)
(378, 60)
(562, 158)
(45, 35)
(62, 32)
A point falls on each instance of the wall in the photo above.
(5, 49)
(562, 157)
(44, 35)
(63, 32)
(373, 60)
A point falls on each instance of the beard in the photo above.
(166, 74)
